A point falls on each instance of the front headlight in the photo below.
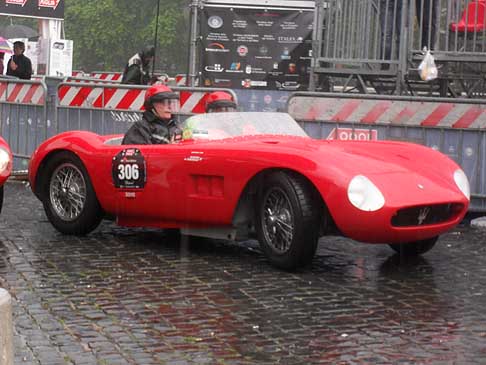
(364, 195)
(462, 183)
(4, 160)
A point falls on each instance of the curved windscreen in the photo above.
(226, 125)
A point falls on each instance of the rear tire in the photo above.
(414, 248)
(288, 221)
(69, 199)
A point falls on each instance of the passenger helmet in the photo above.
(159, 93)
(220, 101)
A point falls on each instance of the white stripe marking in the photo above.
(190, 103)
(69, 96)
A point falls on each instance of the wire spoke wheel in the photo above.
(67, 192)
(287, 220)
(278, 220)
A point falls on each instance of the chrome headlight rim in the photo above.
(462, 183)
(5, 159)
(364, 195)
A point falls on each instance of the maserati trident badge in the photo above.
(424, 212)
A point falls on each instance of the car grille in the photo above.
(426, 214)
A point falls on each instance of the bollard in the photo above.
(6, 330)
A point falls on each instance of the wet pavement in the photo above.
(134, 296)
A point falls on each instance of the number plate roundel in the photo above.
(128, 169)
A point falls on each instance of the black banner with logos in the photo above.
(256, 48)
(33, 8)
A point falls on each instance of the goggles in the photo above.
(170, 104)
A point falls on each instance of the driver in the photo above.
(220, 101)
(157, 125)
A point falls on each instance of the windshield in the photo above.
(226, 125)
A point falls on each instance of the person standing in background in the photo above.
(427, 16)
(19, 65)
(391, 11)
(2, 57)
(391, 25)
(137, 70)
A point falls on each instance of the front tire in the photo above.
(414, 248)
(69, 199)
(288, 221)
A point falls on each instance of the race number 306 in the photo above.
(128, 169)
(128, 172)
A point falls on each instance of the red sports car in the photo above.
(238, 173)
(5, 166)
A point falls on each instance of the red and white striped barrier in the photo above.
(445, 114)
(127, 99)
(108, 76)
(91, 80)
(193, 102)
(181, 80)
(94, 96)
(20, 93)
(78, 74)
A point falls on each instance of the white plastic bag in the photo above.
(427, 68)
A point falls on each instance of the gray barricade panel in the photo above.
(23, 115)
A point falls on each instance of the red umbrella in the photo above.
(5, 46)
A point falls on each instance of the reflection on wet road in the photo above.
(132, 296)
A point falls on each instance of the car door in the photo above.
(176, 184)
(148, 181)
(214, 180)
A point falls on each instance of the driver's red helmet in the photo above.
(159, 93)
(220, 101)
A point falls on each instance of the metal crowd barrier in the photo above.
(114, 77)
(383, 38)
(87, 79)
(32, 111)
(455, 127)
(454, 29)
(112, 108)
(354, 37)
(23, 117)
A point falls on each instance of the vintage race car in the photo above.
(5, 166)
(235, 174)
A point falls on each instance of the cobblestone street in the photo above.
(134, 296)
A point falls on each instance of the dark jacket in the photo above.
(24, 69)
(136, 72)
(152, 130)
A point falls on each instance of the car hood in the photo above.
(397, 168)
(402, 171)
(361, 157)
(384, 157)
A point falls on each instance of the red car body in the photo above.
(205, 184)
(5, 166)
(5, 172)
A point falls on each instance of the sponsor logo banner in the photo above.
(35, 8)
(16, 2)
(49, 3)
(257, 49)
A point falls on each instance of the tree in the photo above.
(108, 32)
